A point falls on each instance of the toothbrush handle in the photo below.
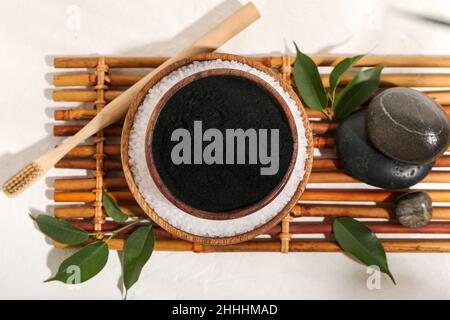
(116, 109)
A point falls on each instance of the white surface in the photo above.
(168, 211)
(32, 31)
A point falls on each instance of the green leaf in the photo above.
(357, 92)
(308, 82)
(340, 69)
(61, 230)
(82, 265)
(358, 240)
(112, 209)
(138, 249)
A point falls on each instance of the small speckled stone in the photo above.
(407, 125)
(361, 160)
(413, 209)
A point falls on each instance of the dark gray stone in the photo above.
(361, 160)
(413, 209)
(408, 126)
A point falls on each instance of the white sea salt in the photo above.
(172, 214)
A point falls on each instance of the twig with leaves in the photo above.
(92, 258)
(356, 239)
(332, 103)
(353, 237)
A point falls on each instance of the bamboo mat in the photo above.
(94, 81)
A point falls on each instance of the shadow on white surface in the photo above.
(13, 162)
(189, 34)
(55, 256)
(120, 280)
(420, 17)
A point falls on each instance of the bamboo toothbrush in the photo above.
(115, 110)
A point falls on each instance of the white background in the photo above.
(31, 32)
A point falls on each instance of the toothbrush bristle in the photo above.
(22, 179)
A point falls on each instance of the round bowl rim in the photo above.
(232, 214)
(128, 124)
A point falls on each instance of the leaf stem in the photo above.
(117, 231)
(327, 113)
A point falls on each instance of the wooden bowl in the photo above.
(228, 214)
(183, 206)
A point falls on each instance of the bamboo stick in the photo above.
(76, 79)
(326, 164)
(87, 114)
(70, 130)
(327, 142)
(356, 211)
(75, 114)
(72, 212)
(116, 131)
(425, 245)
(314, 114)
(391, 227)
(308, 195)
(112, 62)
(89, 150)
(342, 177)
(386, 80)
(330, 127)
(379, 227)
(89, 197)
(323, 127)
(402, 80)
(317, 114)
(319, 141)
(110, 226)
(441, 97)
(71, 184)
(86, 211)
(90, 79)
(323, 142)
(416, 61)
(333, 164)
(107, 226)
(412, 61)
(112, 150)
(303, 210)
(376, 227)
(415, 245)
(324, 170)
(365, 195)
(88, 164)
(83, 95)
(160, 245)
